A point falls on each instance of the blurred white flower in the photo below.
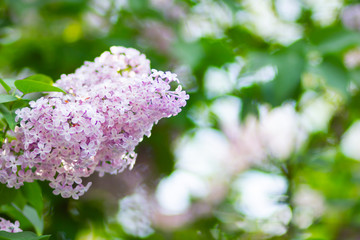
(250, 146)
(200, 115)
(352, 57)
(316, 112)
(102, 14)
(104, 7)
(135, 214)
(309, 205)
(258, 194)
(277, 133)
(289, 10)
(217, 82)
(169, 8)
(281, 131)
(350, 141)
(174, 193)
(324, 12)
(200, 162)
(157, 35)
(96, 23)
(188, 81)
(260, 17)
(263, 75)
(220, 81)
(227, 110)
(245, 142)
(203, 154)
(207, 18)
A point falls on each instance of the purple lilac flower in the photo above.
(111, 104)
(7, 226)
(351, 17)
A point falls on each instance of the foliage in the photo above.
(220, 54)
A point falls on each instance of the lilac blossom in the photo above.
(351, 17)
(111, 104)
(7, 226)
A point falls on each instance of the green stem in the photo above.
(288, 170)
(5, 131)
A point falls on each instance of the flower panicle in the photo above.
(112, 103)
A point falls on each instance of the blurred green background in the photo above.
(268, 146)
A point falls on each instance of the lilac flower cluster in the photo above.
(111, 104)
(7, 226)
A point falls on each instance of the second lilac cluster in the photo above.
(8, 226)
(111, 104)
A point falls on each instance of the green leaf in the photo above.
(9, 116)
(250, 96)
(244, 41)
(22, 236)
(249, 107)
(290, 64)
(335, 75)
(336, 40)
(12, 210)
(30, 214)
(355, 76)
(7, 194)
(40, 78)
(190, 53)
(3, 83)
(20, 103)
(20, 200)
(32, 192)
(290, 67)
(10, 82)
(216, 52)
(30, 86)
(7, 98)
